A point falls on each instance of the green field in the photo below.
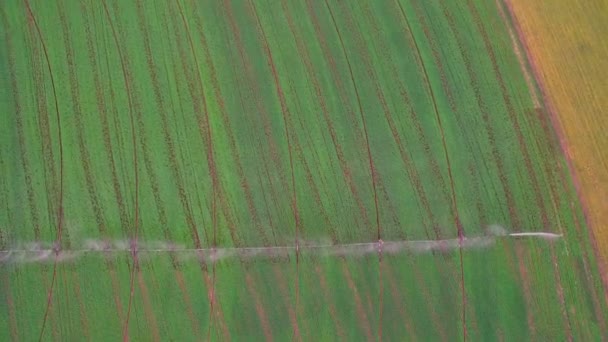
(219, 124)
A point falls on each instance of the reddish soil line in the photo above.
(75, 99)
(327, 220)
(265, 164)
(115, 289)
(150, 317)
(370, 158)
(66, 298)
(528, 163)
(423, 71)
(529, 167)
(259, 307)
(232, 227)
(315, 191)
(556, 195)
(512, 114)
(346, 171)
(363, 122)
(174, 165)
(48, 171)
(218, 312)
(454, 206)
(526, 283)
(32, 18)
(228, 126)
(286, 115)
(333, 68)
(182, 193)
(92, 56)
(103, 115)
(553, 148)
(396, 296)
(84, 320)
(197, 108)
(204, 122)
(217, 188)
(559, 133)
(44, 124)
(445, 87)
(124, 68)
(339, 153)
(306, 60)
(5, 278)
(485, 116)
(411, 169)
(275, 154)
(179, 277)
(560, 294)
(266, 120)
(391, 280)
(381, 293)
(293, 314)
(154, 282)
(51, 313)
(9, 298)
(562, 183)
(326, 297)
(31, 195)
(211, 297)
(359, 304)
(154, 184)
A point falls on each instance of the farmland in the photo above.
(577, 93)
(280, 131)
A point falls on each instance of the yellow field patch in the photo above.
(565, 41)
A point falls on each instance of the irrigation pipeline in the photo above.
(39, 252)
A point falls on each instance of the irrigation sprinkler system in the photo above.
(40, 252)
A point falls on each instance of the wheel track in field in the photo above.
(346, 272)
(207, 136)
(110, 265)
(167, 138)
(351, 285)
(59, 232)
(454, 205)
(181, 283)
(346, 170)
(286, 115)
(304, 56)
(39, 99)
(85, 158)
(103, 115)
(12, 313)
(511, 113)
(275, 158)
(552, 149)
(526, 155)
(5, 279)
(31, 196)
(234, 151)
(523, 274)
(202, 265)
(160, 208)
(244, 183)
(411, 169)
(84, 320)
(329, 57)
(131, 105)
(372, 167)
(266, 120)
